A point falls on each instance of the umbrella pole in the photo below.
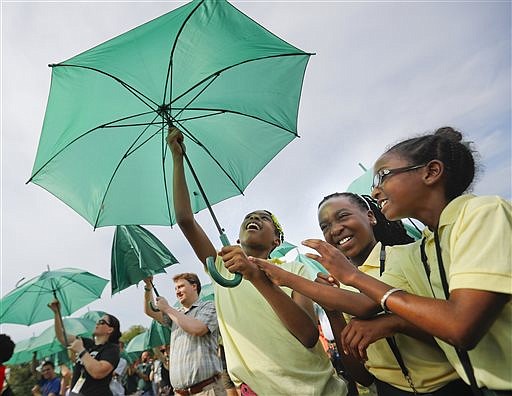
(210, 261)
(61, 321)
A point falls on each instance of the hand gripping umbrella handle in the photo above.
(210, 263)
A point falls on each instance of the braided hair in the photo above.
(387, 232)
(445, 145)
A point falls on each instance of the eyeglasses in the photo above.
(379, 177)
(103, 322)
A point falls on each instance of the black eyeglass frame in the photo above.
(103, 322)
(381, 175)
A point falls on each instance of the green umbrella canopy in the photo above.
(205, 295)
(136, 254)
(314, 265)
(138, 343)
(282, 249)
(73, 287)
(93, 315)
(229, 84)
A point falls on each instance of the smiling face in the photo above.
(186, 292)
(400, 194)
(348, 227)
(258, 231)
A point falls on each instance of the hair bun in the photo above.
(449, 133)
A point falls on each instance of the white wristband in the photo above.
(386, 296)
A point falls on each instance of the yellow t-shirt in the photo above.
(261, 352)
(475, 236)
(428, 366)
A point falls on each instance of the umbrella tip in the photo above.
(51, 64)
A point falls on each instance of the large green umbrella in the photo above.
(73, 287)
(229, 84)
(137, 254)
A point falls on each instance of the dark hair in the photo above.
(444, 145)
(48, 363)
(6, 348)
(387, 232)
(116, 334)
(191, 278)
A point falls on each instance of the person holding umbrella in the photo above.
(96, 359)
(195, 366)
(269, 333)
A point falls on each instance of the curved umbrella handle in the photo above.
(210, 264)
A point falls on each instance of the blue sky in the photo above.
(383, 71)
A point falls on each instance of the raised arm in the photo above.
(195, 235)
(59, 331)
(148, 299)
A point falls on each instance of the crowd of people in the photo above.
(425, 317)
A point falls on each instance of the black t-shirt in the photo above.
(96, 387)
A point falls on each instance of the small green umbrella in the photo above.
(207, 294)
(310, 263)
(93, 315)
(137, 254)
(137, 343)
(73, 287)
(229, 84)
(282, 249)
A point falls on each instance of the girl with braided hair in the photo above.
(405, 364)
(460, 271)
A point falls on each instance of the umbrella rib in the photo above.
(212, 80)
(128, 152)
(168, 81)
(139, 95)
(222, 111)
(190, 135)
(164, 151)
(218, 72)
(81, 136)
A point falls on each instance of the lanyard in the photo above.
(461, 353)
(391, 340)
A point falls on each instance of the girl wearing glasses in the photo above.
(460, 271)
(96, 358)
(402, 365)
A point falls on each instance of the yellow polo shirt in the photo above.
(427, 364)
(261, 352)
(475, 236)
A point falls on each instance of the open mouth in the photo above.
(383, 203)
(344, 240)
(252, 226)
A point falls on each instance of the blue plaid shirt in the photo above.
(194, 359)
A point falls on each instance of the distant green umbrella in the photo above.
(93, 315)
(314, 265)
(282, 249)
(158, 335)
(137, 254)
(207, 294)
(229, 84)
(137, 343)
(73, 287)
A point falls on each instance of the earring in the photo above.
(374, 222)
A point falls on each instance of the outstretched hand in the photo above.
(277, 275)
(332, 260)
(175, 141)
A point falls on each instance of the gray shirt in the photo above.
(194, 358)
